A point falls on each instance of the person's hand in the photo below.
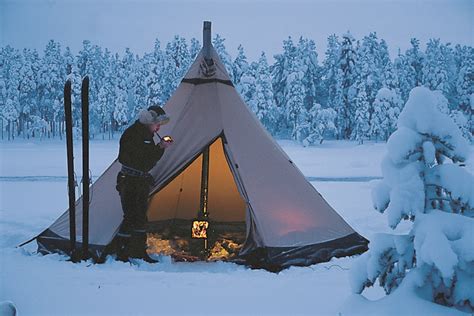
(164, 144)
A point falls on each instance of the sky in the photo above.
(259, 25)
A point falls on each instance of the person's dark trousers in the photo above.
(131, 237)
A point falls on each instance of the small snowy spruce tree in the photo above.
(425, 182)
(322, 121)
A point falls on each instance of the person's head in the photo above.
(153, 118)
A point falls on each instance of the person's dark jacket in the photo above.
(137, 148)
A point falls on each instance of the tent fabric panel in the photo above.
(197, 126)
(105, 211)
(279, 258)
(288, 210)
(49, 242)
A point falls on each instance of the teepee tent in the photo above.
(251, 181)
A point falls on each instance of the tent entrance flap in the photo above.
(172, 209)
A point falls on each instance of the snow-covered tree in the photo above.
(106, 96)
(371, 61)
(361, 127)
(415, 59)
(321, 123)
(294, 99)
(246, 87)
(177, 61)
(38, 127)
(307, 58)
(346, 90)
(239, 66)
(218, 43)
(194, 48)
(386, 110)
(463, 114)
(436, 67)
(156, 67)
(264, 103)
(284, 63)
(303, 125)
(330, 71)
(424, 181)
(120, 111)
(403, 70)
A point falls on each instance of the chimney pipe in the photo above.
(206, 39)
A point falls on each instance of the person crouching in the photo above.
(138, 154)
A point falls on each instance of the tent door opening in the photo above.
(173, 209)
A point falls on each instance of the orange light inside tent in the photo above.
(292, 222)
(199, 229)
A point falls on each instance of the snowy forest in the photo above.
(355, 91)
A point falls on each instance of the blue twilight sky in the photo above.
(257, 24)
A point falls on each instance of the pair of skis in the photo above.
(78, 254)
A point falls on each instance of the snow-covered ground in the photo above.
(33, 194)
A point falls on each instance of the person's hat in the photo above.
(154, 114)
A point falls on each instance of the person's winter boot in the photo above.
(138, 248)
(122, 248)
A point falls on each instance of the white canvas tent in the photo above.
(251, 180)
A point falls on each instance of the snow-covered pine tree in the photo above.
(346, 89)
(424, 181)
(294, 99)
(361, 128)
(194, 48)
(307, 57)
(71, 65)
(9, 112)
(405, 81)
(321, 123)
(415, 59)
(239, 66)
(177, 63)
(371, 60)
(386, 110)
(218, 43)
(264, 102)
(27, 87)
(140, 88)
(280, 72)
(120, 111)
(330, 71)
(390, 78)
(303, 125)
(246, 87)
(156, 64)
(436, 67)
(3, 90)
(106, 96)
(51, 82)
(463, 112)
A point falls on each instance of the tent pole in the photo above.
(204, 188)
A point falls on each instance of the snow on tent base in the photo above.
(253, 188)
